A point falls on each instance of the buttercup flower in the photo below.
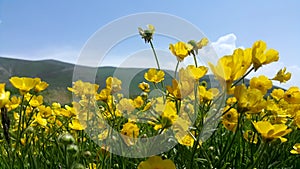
(296, 149)
(277, 94)
(126, 105)
(41, 86)
(36, 101)
(130, 131)
(180, 89)
(4, 95)
(232, 67)
(145, 87)
(147, 34)
(24, 84)
(198, 45)
(156, 162)
(230, 118)
(297, 119)
(270, 132)
(262, 56)
(197, 72)
(154, 75)
(186, 140)
(76, 125)
(40, 120)
(261, 83)
(250, 99)
(13, 103)
(180, 50)
(292, 95)
(282, 76)
(138, 102)
(114, 84)
(207, 95)
(250, 136)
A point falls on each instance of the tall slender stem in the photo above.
(195, 60)
(175, 73)
(246, 74)
(153, 50)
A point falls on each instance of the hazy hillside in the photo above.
(60, 76)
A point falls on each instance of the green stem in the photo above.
(261, 151)
(235, 83)
(195, 60)
(153, 50)
(175, 73)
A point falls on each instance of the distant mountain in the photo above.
(59, 75)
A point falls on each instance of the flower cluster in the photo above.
(252, 117)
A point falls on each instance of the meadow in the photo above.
(171, 119)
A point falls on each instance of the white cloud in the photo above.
(225, 45)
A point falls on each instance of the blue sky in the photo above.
(59, 29)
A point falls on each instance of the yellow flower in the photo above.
(186, 140)
(45, 111)
(40, 120)
(36, 101)
(281, 76)
(292, 95)
(167, 111)
(231, 115)
(156, 162)
(147, 34)
(41, 86)
(250, 136)
(250, 99)
(138, 102)
(154, 75)
(231, 100)
(126, 105)
(130, 132)
(13, 103)
(103, 95)
(198, 45)
(4, 95)
(180, 90)
(277, 94)
(297, 119)
(180, 50)
(103, 135)
(262, 56)
(92, 166)
(170, 112)
(261, 83)
(114, 84)
(270, 132)
(24, 84)
(76, 125)
(207, 95)
(296, 149)
(82, 89)
(145, 87)
(197, 72)
(232, 67)
(230, 118)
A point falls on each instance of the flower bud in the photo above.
(72, 148)
(87, 154)
(144, 95)
(78, 166)
(66, 139)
